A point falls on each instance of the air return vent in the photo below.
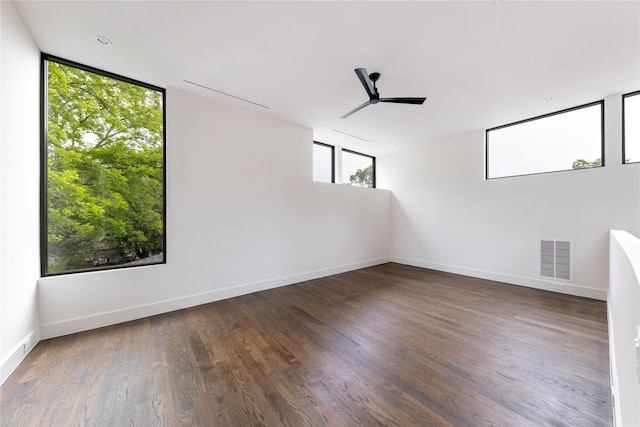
(555, 259)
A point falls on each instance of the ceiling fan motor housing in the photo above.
(374, 98)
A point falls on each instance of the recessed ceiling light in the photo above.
(103, 41)
(549, 98)
(310, 114)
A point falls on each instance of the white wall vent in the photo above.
(555, 259)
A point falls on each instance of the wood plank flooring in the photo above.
(390, 345)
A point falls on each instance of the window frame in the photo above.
(44, 238)
(544, 116)
(373, 162)
(624, 130)
(333, 160)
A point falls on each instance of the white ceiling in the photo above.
(479, 63)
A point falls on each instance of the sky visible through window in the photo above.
(632, 128)
(552, 143)
(322, 163)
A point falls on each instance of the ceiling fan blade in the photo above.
(344, 116)
(366, 82)
(404, 100)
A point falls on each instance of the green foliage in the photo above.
(104, 168)
(583, 164)
(362, 177)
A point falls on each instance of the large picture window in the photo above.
(566, 140)
(103, 190)
(631, 128)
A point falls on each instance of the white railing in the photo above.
(624, 326)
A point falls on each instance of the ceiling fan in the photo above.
(369, 83)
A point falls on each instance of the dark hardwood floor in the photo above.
(390, 345)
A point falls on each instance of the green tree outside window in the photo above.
(583, 164)
(104, 170)
(362, 177)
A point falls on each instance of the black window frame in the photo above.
(333, 159)
(624, 132)
(373, 162)
(44, 59)
(555, 113)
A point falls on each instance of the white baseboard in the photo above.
(568, 288)
(11, 362)
(99, 320)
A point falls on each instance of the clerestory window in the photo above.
(631, 128)
(565, 140)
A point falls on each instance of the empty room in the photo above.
(320, 213)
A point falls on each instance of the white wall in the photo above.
(243, 215)
(445, 215)
(19, 188)
(624, 325)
